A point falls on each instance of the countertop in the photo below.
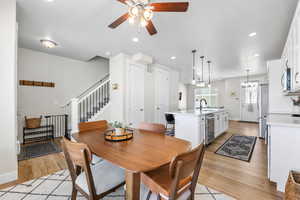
(283, 120)
(196, 112)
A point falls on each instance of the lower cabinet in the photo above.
(221, 123)
(283, 153)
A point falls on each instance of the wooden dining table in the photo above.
(145, 152)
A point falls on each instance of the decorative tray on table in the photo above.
(111, 135)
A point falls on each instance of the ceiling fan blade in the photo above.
(170, 7)
(127, 2)
(123, 1)
(151, 28)
(119, 21)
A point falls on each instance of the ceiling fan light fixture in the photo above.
(134, 11)
(143, 22)
(48, 43)
(131, 20)
(148, 14)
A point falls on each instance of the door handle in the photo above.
(157, 108)
(141, 109)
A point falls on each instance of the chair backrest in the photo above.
(79, 155)
(169, 118)
(183, 166)
(152, 127)
(90, 126)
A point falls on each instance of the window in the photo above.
(209, 94)
(250, 92)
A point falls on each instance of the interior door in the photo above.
(136, 95)
(249, 102)
(162, 93)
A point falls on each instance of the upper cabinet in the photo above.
(291, 52)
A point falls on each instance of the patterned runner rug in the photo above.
(239, 147)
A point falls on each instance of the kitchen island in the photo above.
(283, 141)
(198, 126)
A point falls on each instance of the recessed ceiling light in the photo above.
(48, 43)
(256, 55)
(135, 39)
(252, 34)
(50, 0)
(107, 53)
(173, 57)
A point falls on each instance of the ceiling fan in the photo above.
(141, 11)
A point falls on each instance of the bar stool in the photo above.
(170, 120)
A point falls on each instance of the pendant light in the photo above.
(201, 83)
(209, 81)
(246, 83)
(194, 54)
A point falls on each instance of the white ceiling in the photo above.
(218, 29)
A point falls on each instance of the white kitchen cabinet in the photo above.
(291, 52)
(282, 153)
(217, 124)
(226, 121)
(221, 123)
(296, 58)
(190, 127)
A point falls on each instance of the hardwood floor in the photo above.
(38, 167)
(236, 178)
(240, 179)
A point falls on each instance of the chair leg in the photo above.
(158, 197)
(149, 195)
(74, 193)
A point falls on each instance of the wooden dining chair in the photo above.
(92, 181)
(152, 127)
(177, 180)
(91, 126)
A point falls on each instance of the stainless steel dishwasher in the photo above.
(209, 128)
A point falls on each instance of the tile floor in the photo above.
(58, 186)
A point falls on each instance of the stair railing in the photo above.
(85, 106)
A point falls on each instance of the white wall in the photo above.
(174, 87)
(182, 104)
(118, 70)
(8, 95)
(71, 78)
(233, 85)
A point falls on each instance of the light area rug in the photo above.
(58, 186)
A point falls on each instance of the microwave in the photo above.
(286, 79)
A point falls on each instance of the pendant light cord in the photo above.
(208, 62)
(202, 57)
(194, 52)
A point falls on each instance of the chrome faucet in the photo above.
(201, 103)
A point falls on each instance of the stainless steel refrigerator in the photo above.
(263, 108)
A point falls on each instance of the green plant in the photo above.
(116, 124)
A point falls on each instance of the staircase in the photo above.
(89, 104)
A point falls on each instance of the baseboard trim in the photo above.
(234, 119)
(8, 177)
